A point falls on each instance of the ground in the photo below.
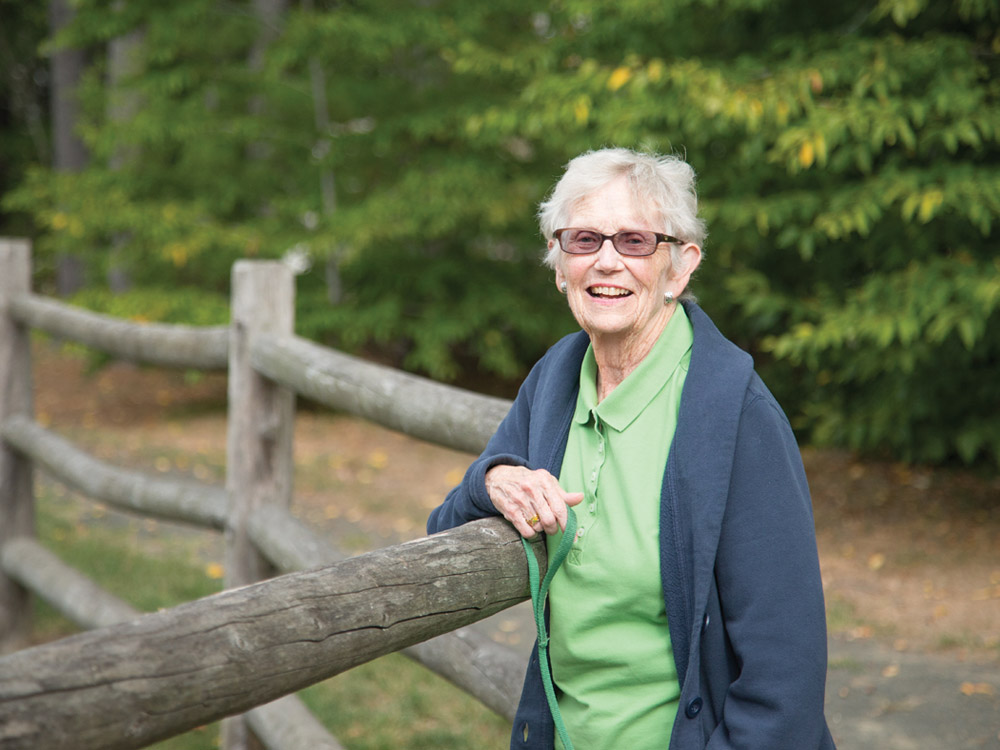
(910, 555)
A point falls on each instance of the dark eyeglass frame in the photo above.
(660, 238)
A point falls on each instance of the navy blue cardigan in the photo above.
(738, 561)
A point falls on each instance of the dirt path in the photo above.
(910, 557)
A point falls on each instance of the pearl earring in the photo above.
(668, 298)
(563, 287)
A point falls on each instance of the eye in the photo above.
(635, 239)
(584, 239)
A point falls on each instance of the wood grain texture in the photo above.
(131, 684)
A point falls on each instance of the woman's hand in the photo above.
(522, 495)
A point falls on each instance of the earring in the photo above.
(668, 298)
(563, 287)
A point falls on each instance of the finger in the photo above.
(524, 526)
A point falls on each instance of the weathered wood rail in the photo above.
(242, 649)
(183, 667)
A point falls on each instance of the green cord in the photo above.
(538, 594)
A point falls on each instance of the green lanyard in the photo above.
(538, 593)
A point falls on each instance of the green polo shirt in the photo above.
(610, 645)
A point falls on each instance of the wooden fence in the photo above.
(135, 679)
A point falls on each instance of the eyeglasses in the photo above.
(630, 242)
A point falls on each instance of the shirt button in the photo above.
(579, 533)
(693, 708)
(592, 507)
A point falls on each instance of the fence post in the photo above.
(17, 512)
(261, 417)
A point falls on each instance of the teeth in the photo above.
(609, 291)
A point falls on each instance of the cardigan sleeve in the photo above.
(767, 572)
(509, 445)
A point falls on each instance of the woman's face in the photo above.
(615, 298)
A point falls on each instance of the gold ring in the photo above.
(533, 520)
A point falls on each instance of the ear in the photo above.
(690, 259)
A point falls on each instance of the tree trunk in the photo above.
(124, 63)
(69, 154)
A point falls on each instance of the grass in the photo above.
(389, 703)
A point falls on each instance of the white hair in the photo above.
(664, 184)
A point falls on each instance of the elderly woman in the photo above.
(690, 606)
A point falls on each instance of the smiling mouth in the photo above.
(607, 292)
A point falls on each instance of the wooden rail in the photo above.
(419, 407)
(131, 684)
(63, 692)
(169, 499)
(143, 343)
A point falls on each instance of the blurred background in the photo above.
(395, 151)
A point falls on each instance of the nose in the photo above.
(607, 256)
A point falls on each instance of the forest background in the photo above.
(395, 151)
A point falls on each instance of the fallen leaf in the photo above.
(860, 632)
(215, 571)
(378, 459)
(891, 670)
(876, 561)
(976, 688)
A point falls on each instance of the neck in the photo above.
(617, 356)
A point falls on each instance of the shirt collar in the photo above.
(627, 401)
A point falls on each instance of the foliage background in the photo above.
(847, 157)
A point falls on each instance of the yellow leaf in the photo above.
(876, 561)
(891, 670)
(655, 70)
(976, 688)
(178, 254)
(782, 111)
(619, 78)
(215, 571)
(581, 111)
(60, 221)
(820, 145)
(807, 154)
(929, 203)
(378, 459)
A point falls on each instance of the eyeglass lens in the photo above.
(631, 242)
